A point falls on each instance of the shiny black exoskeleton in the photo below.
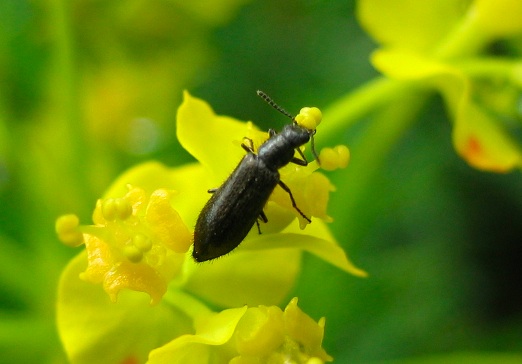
(235, 207)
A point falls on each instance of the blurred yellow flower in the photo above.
(441, 45)
(499, 17)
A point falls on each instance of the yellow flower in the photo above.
(440, 45)
(499, 17)
(249, 335)
(140, 241)
(478, 135)
(137, 242)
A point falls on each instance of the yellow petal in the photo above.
(149, 176)
(317, 241)
(407, 24)
(303, 329)
(246, 277)
(95, 330)
(166, 223)
(477, 136)
(260, 331)
(483, 143)
(137, 277)
(499, 17)
(213, 330)
(209, 137)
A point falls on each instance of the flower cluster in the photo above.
(137, 242)
(140, 242)
(251, 335)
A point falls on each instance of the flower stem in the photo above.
(388, 126)
(65, 76)
(350, 108)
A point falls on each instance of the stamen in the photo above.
(116, 208)
(334, 158)
(133, 254)
(142, 242)
(68, 230)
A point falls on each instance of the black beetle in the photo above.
(234, 207)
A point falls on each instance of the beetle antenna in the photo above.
(271, 102)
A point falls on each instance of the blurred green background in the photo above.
(89, 88)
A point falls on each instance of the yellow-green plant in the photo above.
(140, 242)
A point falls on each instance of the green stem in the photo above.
(65, 161)
(350, 108)
(65, 96)
(379, 139)
(64, 76)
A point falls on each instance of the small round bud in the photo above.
(67, 228)
(334, 158)
(133, 254)
(309, 118)
(123, 208)
(116, 208)
(109, 209)
(142, 242)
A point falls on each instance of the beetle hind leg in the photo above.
(263, 218)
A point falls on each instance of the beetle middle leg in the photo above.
(262, 217)
(300, 162)
(294, 205)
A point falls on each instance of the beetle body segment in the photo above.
(234, 207)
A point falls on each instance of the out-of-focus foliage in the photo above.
(89, 88)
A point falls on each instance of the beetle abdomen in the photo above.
(233, 209)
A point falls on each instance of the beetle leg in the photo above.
(300, 162)
(248, 148)
(258, 227)
(263, 217)
(294, 205)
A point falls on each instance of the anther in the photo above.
(67, 228)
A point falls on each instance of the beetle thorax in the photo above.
(279, 150)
